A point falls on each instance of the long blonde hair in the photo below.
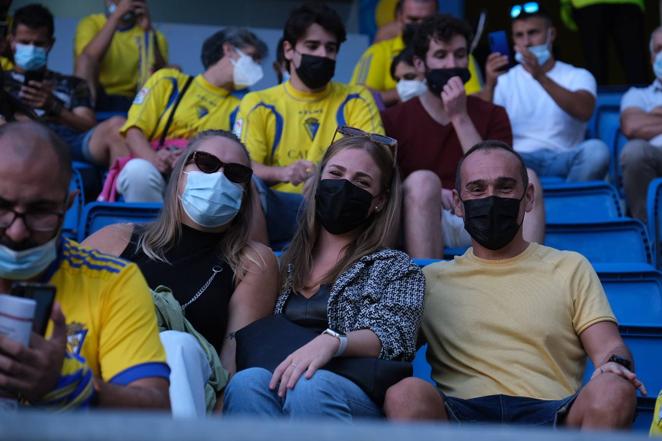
(164, 234)
(379, 232)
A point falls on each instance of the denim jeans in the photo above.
(281, 210)
(325, 395)
(587, 161)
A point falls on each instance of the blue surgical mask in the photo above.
(210, 199)
(657, 66)
(541, 52)
(26, 264)
(30, 57)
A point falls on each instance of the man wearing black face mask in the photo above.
(287, 128)
(434, 130)
(509, 324)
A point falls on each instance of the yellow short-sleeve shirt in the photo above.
(511, 326)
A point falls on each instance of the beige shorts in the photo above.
(452, 230)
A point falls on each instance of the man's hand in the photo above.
(37, 94)
(308, 358)
(163, 160)
(141, 10)
(530, 63)
(297, 172)
(454, 98)
(34, 371)
(493, 68)
(621, 371)
(122, 8)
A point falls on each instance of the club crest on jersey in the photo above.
(76, 334)
(312, 125)
(202, 112)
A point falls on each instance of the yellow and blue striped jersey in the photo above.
(282, 125)
(110, 317)
(203, 107)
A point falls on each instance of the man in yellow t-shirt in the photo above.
(373, 69)
(102, 345)
(231, 58)
(509, 324)
(287, 128)
(116, 52)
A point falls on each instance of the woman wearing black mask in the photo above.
(356, 297)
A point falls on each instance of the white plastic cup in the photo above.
(16, 314)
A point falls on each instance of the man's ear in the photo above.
(419, 65)
(457, 204)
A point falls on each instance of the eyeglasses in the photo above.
(208, 163)
(526, 8)
(385, 141)
(35, 221)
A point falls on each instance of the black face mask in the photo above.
(341, 206)
(492, 221)
(316, 72)
(408, 33)
(437, 78)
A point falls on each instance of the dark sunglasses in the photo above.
(385, 141)
(208, 163)
(524, 8)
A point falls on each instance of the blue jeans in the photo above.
(281, 210)
(506, 409)
(587, 161)
(325, 395)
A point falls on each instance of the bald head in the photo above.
(34, 143)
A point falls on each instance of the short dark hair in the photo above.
(302, 17)
(440, 27)
(14, 130)
(406, 56)
(490, 144)
(212, 48)
(34, 16)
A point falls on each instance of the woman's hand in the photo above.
(308, 358)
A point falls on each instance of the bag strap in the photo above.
(174, 109)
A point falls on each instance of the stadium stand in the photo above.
(97, 215)
(654, 214)
(73, 215)
(581, 202)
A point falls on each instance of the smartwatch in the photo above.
(627, 364)
(342, 338)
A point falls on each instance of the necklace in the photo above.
(215, 270)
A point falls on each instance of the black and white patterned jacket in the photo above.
(383, 292)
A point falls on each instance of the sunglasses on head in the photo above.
(524, 8)
(208, 163)
(385, 141)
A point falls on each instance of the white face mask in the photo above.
(246, 71)
(408, 89)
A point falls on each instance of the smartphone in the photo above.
(33, 75)
(44, 295)
(499, 43)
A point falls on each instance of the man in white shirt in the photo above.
(549, 103)
(641, 122)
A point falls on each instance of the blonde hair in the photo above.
(164, 234)
(377, 233)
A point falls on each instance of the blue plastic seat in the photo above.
(615, 169)
(422, 368)
(74, 213)
(97, 215)
(654, 214)
(617, 241)
(635, 294)
(608, 97)
(581, 202)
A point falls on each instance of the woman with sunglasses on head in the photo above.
(359, 298)
(199, 248)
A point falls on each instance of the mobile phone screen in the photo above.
(44, 295)
(37, 75)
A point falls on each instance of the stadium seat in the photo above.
(654, 214)
(645, 409)
(645, 343)
(99, 214)
(91, 176)
(581, 202)
(615, 171)
(547, 180)
(634, 293)
(73, 215)
(608, 97)
(422, 368)
(616, 241)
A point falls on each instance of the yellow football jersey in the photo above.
(282, 125)
(121, 67)
(374, 68)
(203, 107)
(110, 316)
